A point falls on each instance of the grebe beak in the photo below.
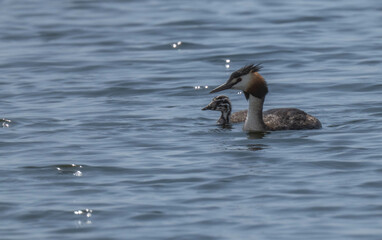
(222, 87)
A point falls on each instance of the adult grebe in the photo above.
(255, 89)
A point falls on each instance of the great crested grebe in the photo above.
(255, 89)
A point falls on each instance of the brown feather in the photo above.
(258, 86)
(238, 117)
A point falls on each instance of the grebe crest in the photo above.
(255, 88)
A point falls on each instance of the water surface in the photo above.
(107, 139)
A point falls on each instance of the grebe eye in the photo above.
(239, 79)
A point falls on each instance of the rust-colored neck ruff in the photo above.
(257, 87)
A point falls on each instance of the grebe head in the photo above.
(219, 103)
(248, 80)
(222, 104)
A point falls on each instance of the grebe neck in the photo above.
(254, 121)
(225, 117)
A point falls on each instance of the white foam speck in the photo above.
(78, 212)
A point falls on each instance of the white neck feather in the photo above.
(254, 121)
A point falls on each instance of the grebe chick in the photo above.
(255, 89)
(223, 104)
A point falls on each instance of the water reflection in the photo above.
(86, 213)
(5, 122)
(222, 128)
(73, 169)
(225, 126)
(256, 147)
(247, 147)
(256, 135)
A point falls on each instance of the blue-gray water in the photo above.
(107, 139)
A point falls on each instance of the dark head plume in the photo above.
(245, 70)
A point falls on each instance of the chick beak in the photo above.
(210, 106)
(222, 87)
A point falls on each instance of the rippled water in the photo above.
(107, 140)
